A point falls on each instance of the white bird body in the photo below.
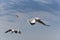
(32, 21)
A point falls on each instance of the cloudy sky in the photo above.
(46, 10)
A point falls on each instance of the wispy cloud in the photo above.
(44, 1)
(25, 6)
(26, 10)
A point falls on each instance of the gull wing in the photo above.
(8, 31)
(39, 21)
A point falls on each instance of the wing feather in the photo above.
(8, 31)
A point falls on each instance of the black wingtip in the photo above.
(5, 32)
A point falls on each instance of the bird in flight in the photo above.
(17, 16)
(36, 19)
(12, 30)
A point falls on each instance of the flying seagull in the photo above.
(12, 30)
(17, 16)
(36, 19)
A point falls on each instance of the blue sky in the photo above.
(47, 10)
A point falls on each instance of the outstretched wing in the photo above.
(39, 21)
(8, 31)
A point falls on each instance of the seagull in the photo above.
(12, 30)
(17, 16)
(36, 19)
